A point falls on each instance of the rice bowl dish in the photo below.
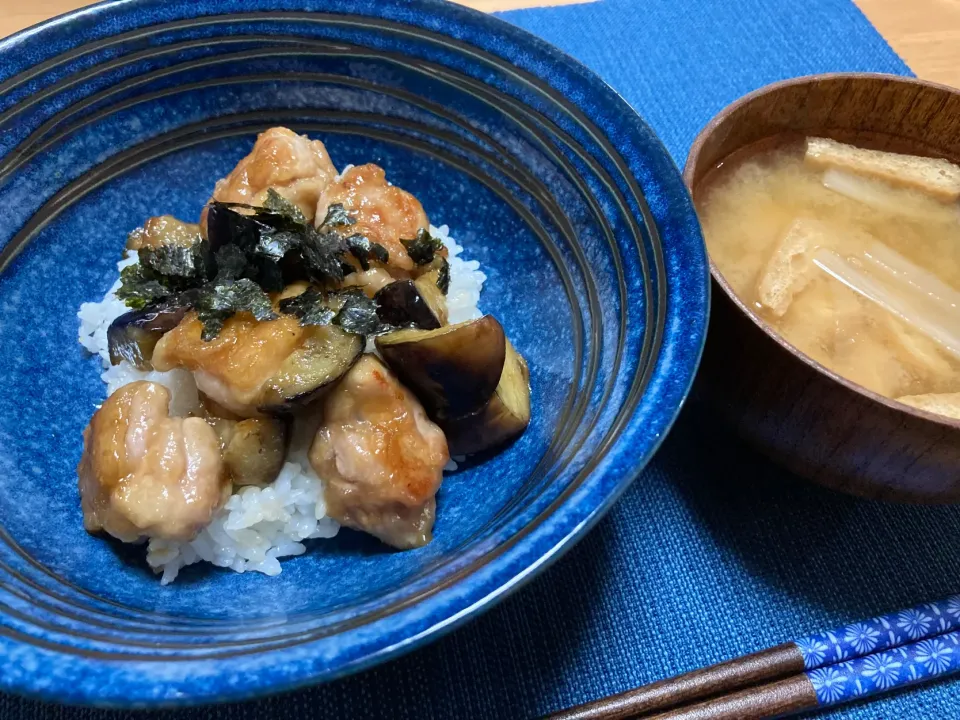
(214, 635)
(250, 526)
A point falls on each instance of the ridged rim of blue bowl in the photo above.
(686, 299)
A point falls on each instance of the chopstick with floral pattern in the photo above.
(828, 668)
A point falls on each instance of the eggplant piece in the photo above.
(402, 303)
(453, 370)
(226, 226)
(133, 335)
(253, 449)
(280, 249)
(429, 285)
(326, 354)
(257, 367)
(503, 418)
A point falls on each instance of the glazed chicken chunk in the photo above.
(370, 281)
(382, 212)
(233, 368)
(145, 474)
(293, 165)
(254, 366)
(381, 457)
(163, 230)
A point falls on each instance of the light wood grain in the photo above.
(16, 15)
(925, 33)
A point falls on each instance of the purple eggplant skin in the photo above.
(224, 226)
(432, 287)
(133, 335)
(274, 266)
(253, 450)
(401, 304)
(502, 419)
(453, 370)
(326, 355)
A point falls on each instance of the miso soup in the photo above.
(853, 256)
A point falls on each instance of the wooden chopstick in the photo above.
(881, 672)
(777, 662)
(776, 699)
(856, 660)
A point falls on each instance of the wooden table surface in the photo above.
(925, 33)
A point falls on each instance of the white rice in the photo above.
(257, 526)
(466, 280)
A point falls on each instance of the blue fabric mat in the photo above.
(713, 552)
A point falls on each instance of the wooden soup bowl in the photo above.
(817, 424)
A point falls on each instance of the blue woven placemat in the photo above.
(713, 552)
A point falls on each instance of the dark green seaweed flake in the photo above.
(443, 277)
(363, 249)
(422, 248)
(231, 263)
(219, 301)
(323, 251)
(358, 314)
(310, 307)
(279, 204)
(337, 216)
(141, 286)
(178, 261)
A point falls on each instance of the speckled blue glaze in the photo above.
(596, 268)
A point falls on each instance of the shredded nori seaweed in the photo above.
(231, 263)
(310, 306)
(279, 204)
(349, 309)
(443, 277)
(336, 216)
(323, 252)
(358, 314)
(218, 302)
(422, 248)
(141, 286)
(178, 261)
(363, 249)
(254, 250)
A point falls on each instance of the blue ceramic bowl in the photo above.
(596, 268)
